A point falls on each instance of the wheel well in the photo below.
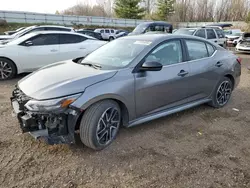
(124, 110)
(231, 78)
(11, 61)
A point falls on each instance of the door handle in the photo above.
(219, 64)
(215, 41)
(82, 48)
(53, 50)
(182, 73)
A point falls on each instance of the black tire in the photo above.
(216, 96)
(7, 65)
(92, 121)
(111, 38)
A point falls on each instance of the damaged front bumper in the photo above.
(52, 127)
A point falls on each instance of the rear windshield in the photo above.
(185, 31)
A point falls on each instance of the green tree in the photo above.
(129, 9)
(165, 8)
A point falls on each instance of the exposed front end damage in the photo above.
(53, 127)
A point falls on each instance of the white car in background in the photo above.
(35, 50)
(107, 34)
(213, 34)
(35, 28)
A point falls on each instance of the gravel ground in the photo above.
(201, 147)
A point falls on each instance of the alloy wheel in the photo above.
(223, 93)
(5, 70)
(108, 126)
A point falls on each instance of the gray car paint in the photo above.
(144, 96)
(61, 79)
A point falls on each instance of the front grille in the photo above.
(20, 97)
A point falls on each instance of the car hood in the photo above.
(232, 36)
(62, 79)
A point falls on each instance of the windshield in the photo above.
(185, 31)
(116, 54)
(140, 28)
(21, 39)
(16, 35)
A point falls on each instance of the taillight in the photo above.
(239, 60)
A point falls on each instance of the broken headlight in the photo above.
(51, 105)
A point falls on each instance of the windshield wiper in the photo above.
(95, 66)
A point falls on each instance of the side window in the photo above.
(102, 31)
(112, 31)
(106, 31)
(45, 39)
(167, 54)
(196, 49)
(220, 33)
(201, 33)
(211, 34)
(71, 39)
(210, 49)
(159, 28)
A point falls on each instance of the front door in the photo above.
(156, 91)
(43, 50)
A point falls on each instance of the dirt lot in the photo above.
(201, 147)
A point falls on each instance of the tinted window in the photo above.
(106, 31)
(56, 29)
(201, 33)
(167, 53)
(159, 28)
(47, 39)
(33, 30)
(196, 49)
(112, 31)
(70, 39)
(220, 33)
(211, 34)
(210, 49)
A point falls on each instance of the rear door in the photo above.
(72, 46)
(203, 65)
(43, 51)
(166, 88)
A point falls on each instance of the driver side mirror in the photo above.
(151, 66)
(28, 43)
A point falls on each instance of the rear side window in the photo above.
(71, 39)
(106, 31)
(220, 33)
(211, 34)
(210, 49)
(45, 39)
(201, 33)
(196, 49)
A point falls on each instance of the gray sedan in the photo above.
(126, 82)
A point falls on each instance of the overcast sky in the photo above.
(43, 6)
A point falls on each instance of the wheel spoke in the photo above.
(7, 70)
(102, 135)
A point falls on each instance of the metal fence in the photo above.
(30, 17)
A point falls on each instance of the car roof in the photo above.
(153, 22)
(58, 26)
(62, 32)
(158, 37)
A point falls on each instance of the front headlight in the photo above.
(51, 105)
